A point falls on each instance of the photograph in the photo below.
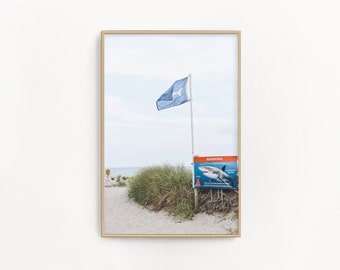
(170, 129)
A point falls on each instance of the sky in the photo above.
(139, 68)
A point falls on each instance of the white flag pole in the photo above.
(192, 147)
(192, 125)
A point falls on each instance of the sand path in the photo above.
(123, 216)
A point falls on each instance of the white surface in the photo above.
(50, 135)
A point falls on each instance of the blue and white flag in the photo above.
(174, 96)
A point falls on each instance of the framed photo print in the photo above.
(171, 133)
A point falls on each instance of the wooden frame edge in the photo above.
(103, 33)
(171, 32)
(102, 135)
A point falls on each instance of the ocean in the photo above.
(124, 171)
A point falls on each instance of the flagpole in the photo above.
(192, 147)
(192, 125)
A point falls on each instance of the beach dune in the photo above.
(124, 216)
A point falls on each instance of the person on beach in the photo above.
(107, 179)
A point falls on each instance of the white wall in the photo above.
(50, 135)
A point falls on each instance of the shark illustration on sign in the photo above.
(217, 174)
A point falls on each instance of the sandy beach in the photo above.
(123, 216)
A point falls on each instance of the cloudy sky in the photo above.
(138, 68)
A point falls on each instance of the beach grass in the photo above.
(164, 187)
(121, 184)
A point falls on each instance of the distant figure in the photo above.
(107, 179)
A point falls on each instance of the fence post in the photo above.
(196, 198)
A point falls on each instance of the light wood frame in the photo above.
(160, 32)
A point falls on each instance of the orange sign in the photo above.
(216, 159)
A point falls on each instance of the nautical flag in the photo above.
(174, 96)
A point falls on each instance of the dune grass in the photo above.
(164, 187)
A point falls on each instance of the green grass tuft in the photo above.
(121, 184)
(164, 187)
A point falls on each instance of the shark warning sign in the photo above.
(217, 172)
